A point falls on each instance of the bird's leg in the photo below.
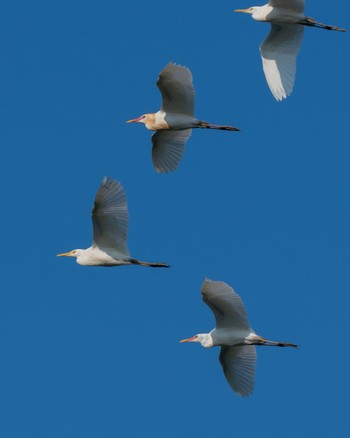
(267, 343)
(308, 21)
(207, 125)
(152, 265)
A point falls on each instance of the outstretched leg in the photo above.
(308, 21)
(152, 265)
(267, 343)
(207, 125)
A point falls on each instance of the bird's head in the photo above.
(257, 12)
(204, 339)
(75, 253)
(145, 119)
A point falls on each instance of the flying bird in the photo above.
(174, 121)
(280, 49)
(110, 230)
(234, 334)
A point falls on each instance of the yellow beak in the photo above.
(65, 254)
(245, 11)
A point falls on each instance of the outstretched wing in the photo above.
(279, 53)
(292, 5)
(226, 305)
(176, 86)
(168, 148)
(238, 363)
(110, 217)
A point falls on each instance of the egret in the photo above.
(173, 123)
(280, 49)
(110, 230)
(234, 334)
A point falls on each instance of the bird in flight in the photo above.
(110, 230)
(234, 334)
(174, 121)
(280, 49)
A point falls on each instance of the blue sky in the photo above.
(94, 352)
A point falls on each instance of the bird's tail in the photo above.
(152, 265)
(308, 21)
(268, 343)
(207, 125)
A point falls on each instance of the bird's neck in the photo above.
(262, 13)
(156, 121)
(207, 340)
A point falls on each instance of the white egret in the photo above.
(280, 49)
(234, 334)
(173, 123)
(110, 230)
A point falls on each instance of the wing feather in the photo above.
(279, 53)
(168, 148)
(238, 363)
(227, 306)
(176, 86)
(110, 217)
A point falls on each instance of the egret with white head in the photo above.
(280, 49)
(234, 334)
(110, 231)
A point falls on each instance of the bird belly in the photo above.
(228, 337)
(179, 122)
(97, 257)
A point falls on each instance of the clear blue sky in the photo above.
(94, 352)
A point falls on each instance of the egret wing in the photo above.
(176, 86)
(238, 363)
(110, 217)
(168, 148)
(226, 305)
(292, 5)
(279, 53)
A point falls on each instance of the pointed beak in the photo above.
(187, 340)
(133, 120)
(64, 254)
(245, 11)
